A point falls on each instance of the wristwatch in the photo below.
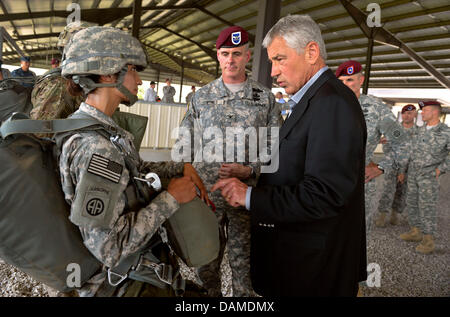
(252, 172)
(380, 168)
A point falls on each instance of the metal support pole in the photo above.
(268, 15)
(11, 41)
(137, 12)
(182, 77)
(381, 35)
(157, 80)
(1, 44)
(368, 66)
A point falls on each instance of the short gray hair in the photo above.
(297, 31)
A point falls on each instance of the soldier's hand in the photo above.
(182, 189)
(233, 190)
(438, 172)
(190, 171)
(235, 170)
(401, 178)
(372, 171)
(383, 140)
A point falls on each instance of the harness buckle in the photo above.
(120, 278)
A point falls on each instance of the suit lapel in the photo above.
(301, 106)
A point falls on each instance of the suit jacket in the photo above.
(308, 224)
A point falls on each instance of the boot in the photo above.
(360, 293)
(394, 218)
(427, 244)
(413, 235)
(381, 220)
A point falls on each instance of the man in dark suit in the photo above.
(308, 226)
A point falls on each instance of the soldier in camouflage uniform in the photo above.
(169, 92)
(427, 158)
(50, 97)
(232, 101)
(97, 171)
(379, 121)
(393, 196)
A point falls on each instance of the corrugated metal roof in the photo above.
(186, 30)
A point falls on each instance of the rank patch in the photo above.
(105, 168)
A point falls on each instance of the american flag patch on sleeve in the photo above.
(105, 168)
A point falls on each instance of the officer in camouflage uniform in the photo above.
(169, 92)
(393, 196)
(427, 158)
(50, 97)
(233, 100)
(97, 172)
(379, 121)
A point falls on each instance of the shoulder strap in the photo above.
(15, 126)
(52, 72)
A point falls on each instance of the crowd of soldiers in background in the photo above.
(151, 94)
(411, 167)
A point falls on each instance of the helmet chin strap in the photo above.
(88, 85)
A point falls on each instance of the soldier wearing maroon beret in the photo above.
(423, 104)
(427, 158)
(393, 197)
(408, 108)
(233, 100)
(379, 121)
(55, 63)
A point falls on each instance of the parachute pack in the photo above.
(36, 235)
(14, 97)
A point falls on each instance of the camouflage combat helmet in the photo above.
(100, 50)
(69, 30)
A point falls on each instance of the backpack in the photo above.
(14, 97)
(34, 214)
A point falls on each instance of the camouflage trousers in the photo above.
(235, 235)
(393, 196)
(239, 252)
(370, 192)
(421, 200)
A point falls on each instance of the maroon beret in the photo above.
(348, 68)
(409, 107)
(233, 36)
(428, 103)
(55, 61)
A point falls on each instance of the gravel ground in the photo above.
(403, 271)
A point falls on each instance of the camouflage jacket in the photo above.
(94, 178)
(398, 150)
(379, 121)
(169, 93)
(429, 149)
(212, 110)
(50, 97)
